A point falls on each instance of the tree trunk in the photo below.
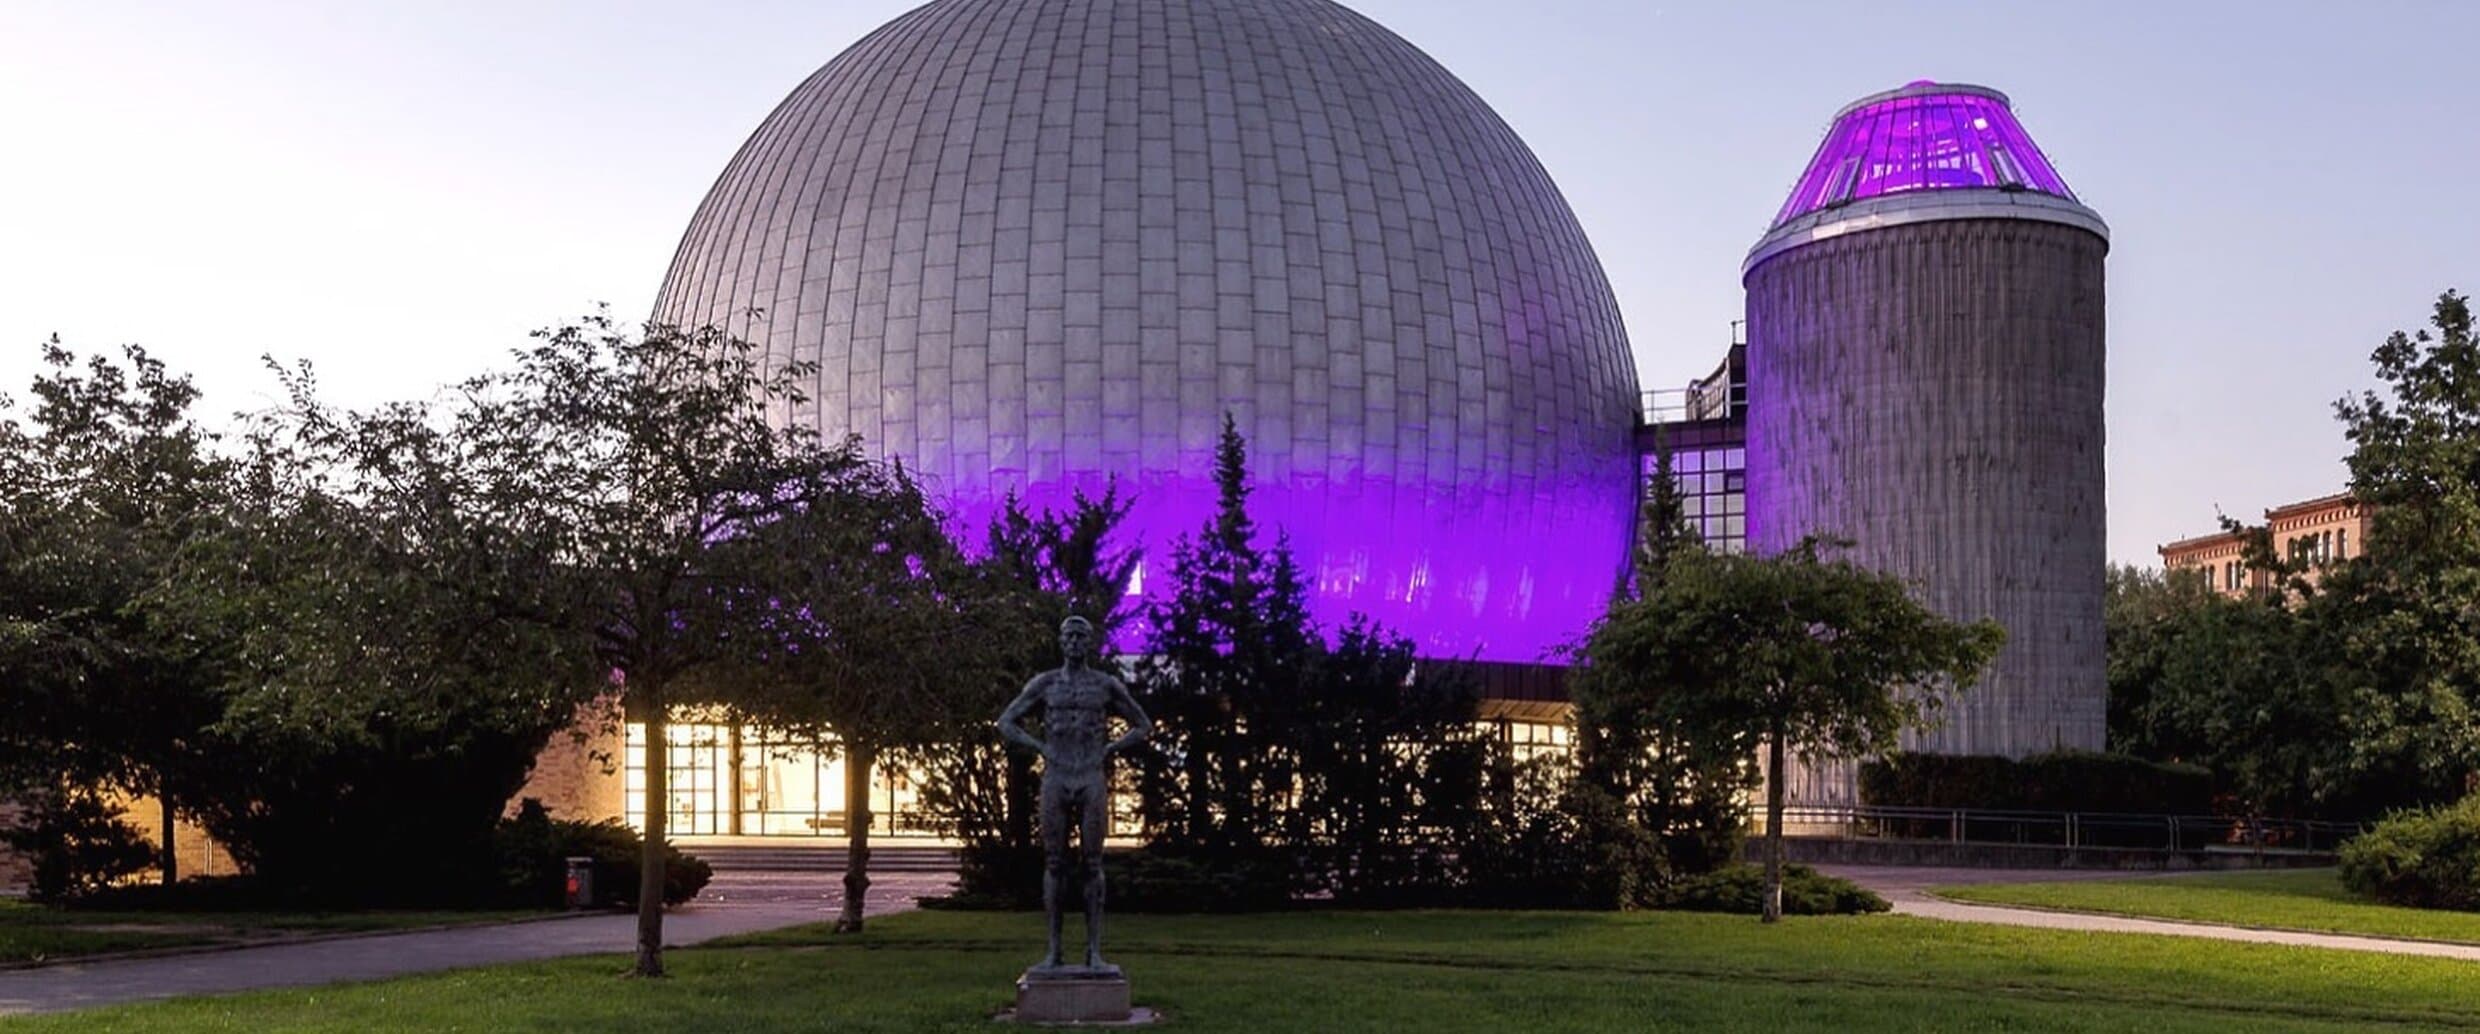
(650, 863)
(171, 859)
(1023, 798)
(1773, 825)
(858, 758)
(733, 816)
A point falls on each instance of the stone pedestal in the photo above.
(1075, 994)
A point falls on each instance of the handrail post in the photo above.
(1954, 825)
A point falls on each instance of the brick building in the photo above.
(2315, 532)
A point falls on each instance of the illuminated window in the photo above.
(742, 780)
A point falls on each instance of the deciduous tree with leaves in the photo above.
(638, 453)
(399, 621)
(2406, 616)
(101, 483)
(1798, 653)
(879, 639)
(1633, 754)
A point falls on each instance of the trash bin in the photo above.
(580, 883)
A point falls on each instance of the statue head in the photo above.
(1076, 638)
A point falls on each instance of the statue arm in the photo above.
(1011, 721)
(1139, 726)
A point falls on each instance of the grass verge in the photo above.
(1433, 972)
(2296, 899)
(37, 933)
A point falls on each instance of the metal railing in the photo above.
(2075, 830)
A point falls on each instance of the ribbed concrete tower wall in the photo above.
(1933, 391)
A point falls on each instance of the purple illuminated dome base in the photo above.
(1450, 567)
(1032, 243)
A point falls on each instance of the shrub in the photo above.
(1153, 881)
(534, 849)
(76, 845)
(1555, 843)
(2066, 780)
(1146, 880)
(395, 818)
(1740, 889)
(2428, 858)
(684, 874)
(975, 901)
(996, 876)
(198, 894)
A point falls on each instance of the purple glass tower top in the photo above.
(1923, 136)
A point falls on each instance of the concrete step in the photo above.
(820, 858)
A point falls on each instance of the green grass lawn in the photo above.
(30, 932)
(1425, 972)
(2296, 899)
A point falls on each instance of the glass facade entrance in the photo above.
(744, 780)
(739, 780)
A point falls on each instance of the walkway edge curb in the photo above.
(177, 950)
(1939, 895)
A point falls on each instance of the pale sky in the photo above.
(398, 192)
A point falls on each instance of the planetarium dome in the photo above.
(1031, 244)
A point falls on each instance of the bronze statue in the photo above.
(1077, 702)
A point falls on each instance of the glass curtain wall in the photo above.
(736, 780)
(739, 780)
(1713, 490)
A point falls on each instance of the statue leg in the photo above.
(1054, 864)
(1095, 827)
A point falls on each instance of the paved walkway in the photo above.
(1907, 889)
(735, 903)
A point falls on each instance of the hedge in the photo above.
(2428, 858)
(2066, 780)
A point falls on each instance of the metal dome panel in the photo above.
(1035, 243)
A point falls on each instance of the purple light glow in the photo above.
(1460, 569)
(1925, 136)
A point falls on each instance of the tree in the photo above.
(1662, 527)
(637, 453)
(1389, 768)
(2406, 617)
(1805, 655)
(1066, 563)
(1041, 567)
(1615, 729)
(880, 636)
(1349, 770)
(396, 621)
(1635, 762)
(98, 491)
(1227, 668)
(331, 650)
(2140, 613)
(2246, 690)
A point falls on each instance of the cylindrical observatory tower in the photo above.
(1925, 379)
